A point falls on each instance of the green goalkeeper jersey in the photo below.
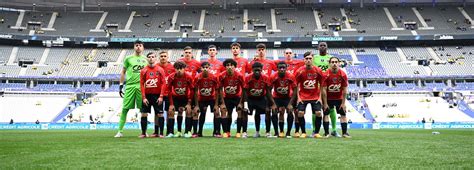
(322, 61)
(133, 64)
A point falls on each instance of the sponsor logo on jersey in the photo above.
(205, 91)
(256, 92)
(150, 83)
(282, 90)
(309, 84)
(180, 91)
(334, 88)
(230, 89)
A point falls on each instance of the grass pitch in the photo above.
(368, 149)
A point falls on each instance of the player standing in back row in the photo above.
(131, 72)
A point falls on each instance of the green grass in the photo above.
(373, 149)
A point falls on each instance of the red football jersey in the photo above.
(334, 83)
(268, 66)
(308, 82)
(241, 65)
(180, 87)
(168, 69)
(256, 88)
(216, 67)
(152, 80)
(192, 66)
(283, 87)
(232, 85)
(206, 87)
(293, 65)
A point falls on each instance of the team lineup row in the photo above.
(262, 86)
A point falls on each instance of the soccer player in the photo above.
(257, 92)
(293, 65)
(215, 69)
(334, 91)
(241, 67)
(152, 83)
(205, 88)
(268, 66)
(192, 68)
(307, 78)
(284, 94)
(168, 69)
(192, 65)
(133, 95)
(322, 61)
(232, 83)
(180, 84)
(242, 63)
(215, 66)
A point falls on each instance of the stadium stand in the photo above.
(45, 107)
(388, 108)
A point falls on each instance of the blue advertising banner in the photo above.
(113, 126)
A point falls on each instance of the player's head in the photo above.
(163, 57)
(151, 56)
(308, 58)
(235, 47)
(288, 54)
(230, 65)
(334, 63)
(282, 67)
(261, 50)
(212, 50)
(323, 47)
(257, 69)
(138, 46)
(188, 52)
(179, 66)
(205, 66)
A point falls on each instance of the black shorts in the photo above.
(315, 105)
(282, 102)
(152, 100)
(231, 103)
(257, 104)
(166, 103)
(179, 103)
(337, 104)
(203, 105)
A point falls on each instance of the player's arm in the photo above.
(293, 97)
(270, 97)
(344, 91)
(121, 81)
(324, 97)
(142, 86)
(195, 96)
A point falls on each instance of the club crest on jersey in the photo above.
(206, 91)
(334, 88)
(283, 83)
(282, 90)
(180, 91)
(231, 89)
(309, 84)
(256, 92)
(179, 83)
(335, 80)
(151, 74)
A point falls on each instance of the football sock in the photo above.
(123, 118)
